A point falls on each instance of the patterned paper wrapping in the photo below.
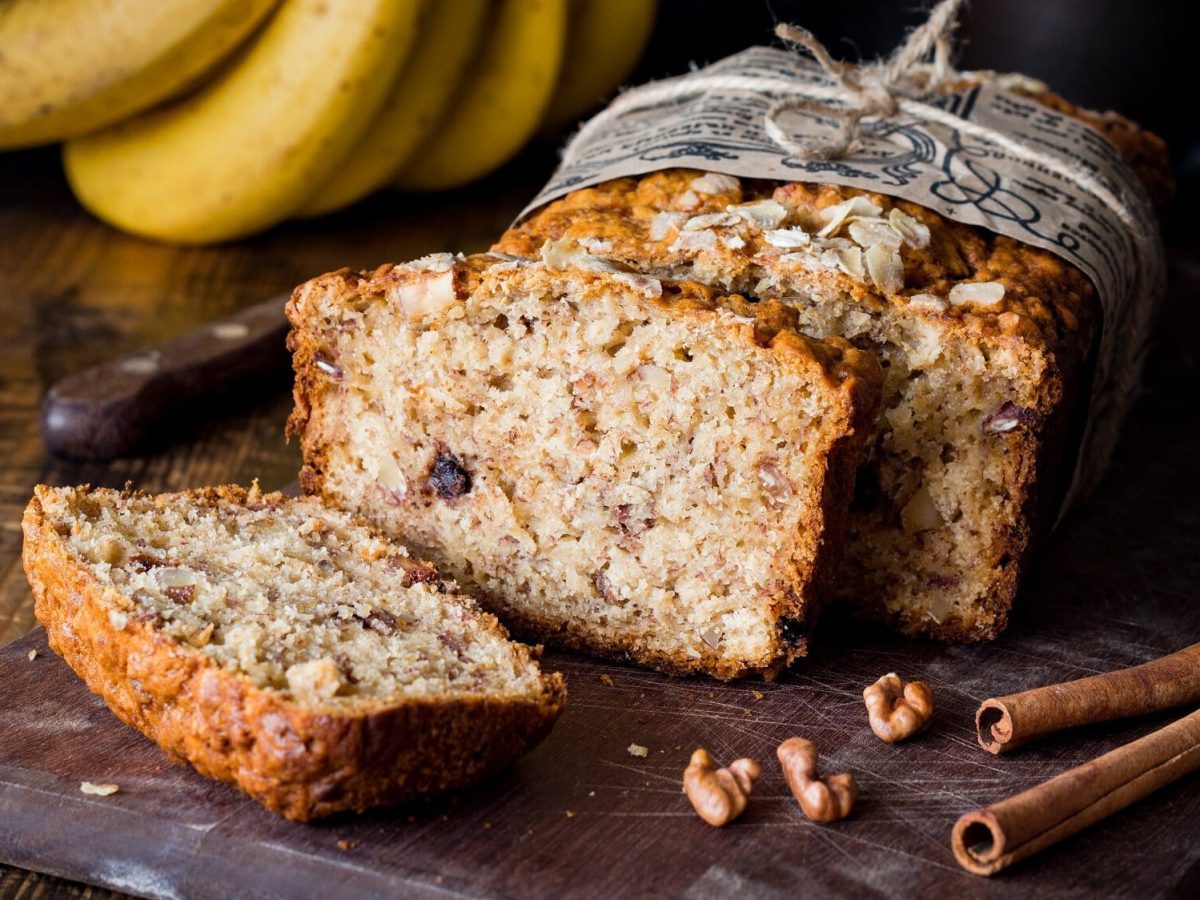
(964, 176)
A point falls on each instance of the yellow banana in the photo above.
(450, 33)
(500, 103)
(68, 67)
(605, 39)
(244, 152)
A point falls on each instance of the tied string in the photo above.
(899, 84)
(865, 91)
(852, 94)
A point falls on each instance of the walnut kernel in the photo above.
(822, 799)
(719, 795)
(897, 710)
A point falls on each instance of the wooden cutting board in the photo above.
(581, 815)
(1119, 584)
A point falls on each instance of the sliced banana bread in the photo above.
(280, 646)
(629, 466)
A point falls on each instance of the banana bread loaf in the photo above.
(982, 342)
(280, 646)
(611, 462)
(987, 343)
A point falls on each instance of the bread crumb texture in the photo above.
(633, 466)
(983, 342)
(296, 597)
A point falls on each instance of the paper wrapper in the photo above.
(964, 176)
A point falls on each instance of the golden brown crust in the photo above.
(853, 382)
(300, 763)
(1044, 296)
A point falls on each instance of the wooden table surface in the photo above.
(75, 292)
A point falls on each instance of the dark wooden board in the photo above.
(580, 816)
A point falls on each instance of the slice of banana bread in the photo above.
(279, 645)
(638, 468)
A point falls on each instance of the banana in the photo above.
(68, 67)
(450, 32)
(605, 39)
(501, 101)
(245, 151)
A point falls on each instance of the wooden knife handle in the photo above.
(130, 403)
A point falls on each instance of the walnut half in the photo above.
(822, 799)
(719, 795)
(897, 710)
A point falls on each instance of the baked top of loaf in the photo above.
(730, 231)
(638, 467)
(280, 645)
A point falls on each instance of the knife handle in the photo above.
(136, 401)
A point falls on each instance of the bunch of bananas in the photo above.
(198, 121)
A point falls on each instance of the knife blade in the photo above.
(137, 401)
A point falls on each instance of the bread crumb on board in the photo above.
(345, 844)
(98, 790)
(32, 655)
(606, 680)
(638, 750)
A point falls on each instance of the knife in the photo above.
(138, 401)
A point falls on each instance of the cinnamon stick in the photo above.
(1006, 723)
(990, 839)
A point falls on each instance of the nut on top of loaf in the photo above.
(870, 247)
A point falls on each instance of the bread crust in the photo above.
(853, 381)
(301, 763)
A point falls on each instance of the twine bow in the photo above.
(885, 88)
(868, 90)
